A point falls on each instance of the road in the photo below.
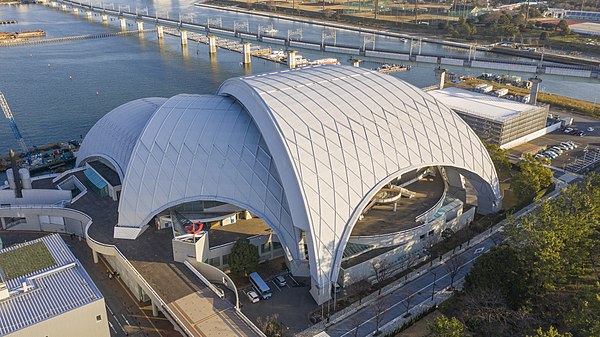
(422, 288)
(419, 290)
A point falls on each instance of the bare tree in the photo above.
(356, 322)
(452, 267)
(361, 288)
(379, 307)
(382, 272)
(408, 297)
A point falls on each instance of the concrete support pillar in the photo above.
(104, 17)
(184, 39)
(53, 4)
(154, 310)
(356, 63)
(123, 22)
(95, 255)
(160, 31)
(140, 26)
(247, 56)
(535, 87)
(212, 44)
(291, 60)
(3, 223)
(441, 75)
(89, 14)
(75, 10)
(64, 7)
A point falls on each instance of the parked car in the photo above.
(280, 281)
(568, 130)
(253, 296)
(556, 149)
(568, 145)
(590, 129)
(581, 134)
(550, 154)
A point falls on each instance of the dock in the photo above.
(8, 22)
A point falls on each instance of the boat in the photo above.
(325, 61)
(392, 68)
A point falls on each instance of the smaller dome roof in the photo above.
(113, 137)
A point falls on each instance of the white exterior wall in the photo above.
(75, 323)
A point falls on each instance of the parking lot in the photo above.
(574, 160)
(292, 303)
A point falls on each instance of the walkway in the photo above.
(202, 312)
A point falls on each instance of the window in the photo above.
(98, 318)
(225, 259)
(215, 261)
(276, 245)
(422, 237)
(431, 232)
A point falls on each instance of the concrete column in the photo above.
(76, 10)
(3, 222)
(160, 31)
(89, 14)
(53, 4)
(356, 63)
(154, 310)
(212, 44)
(535, 87)
(441, 75)
(247, 56)
(64, 7)
(291, 60)
(123, 23)
(95, 255)
(104, 17)
(140, 26)
(184, 39)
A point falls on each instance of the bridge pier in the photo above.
(75, 10)
(89, 14)
(123, 23)
(246, 53)
(140, 26)
(160, 31)
(53, 4)
(291, 60)
(64, 7)
(104, 17)
(212, 45)
(184, 39)
(356, 63)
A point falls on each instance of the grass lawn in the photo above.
(25, 260)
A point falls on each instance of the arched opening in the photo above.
(404, 216)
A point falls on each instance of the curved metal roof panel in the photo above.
(114, 135)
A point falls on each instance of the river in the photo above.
(58, 91)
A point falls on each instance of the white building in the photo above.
(305, 150)
(46, 292)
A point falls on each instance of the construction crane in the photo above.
(13, 125)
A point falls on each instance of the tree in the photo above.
(563, 27)
(243, 258)
(452, 267)
(407, 300)
(533, 177)
(382, 271)
(379, 307)
(544, 36)
(499, 156)
(271, 325)
(552, 332)
(443, 327)
(507, 272)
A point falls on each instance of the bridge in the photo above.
(294, 40)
